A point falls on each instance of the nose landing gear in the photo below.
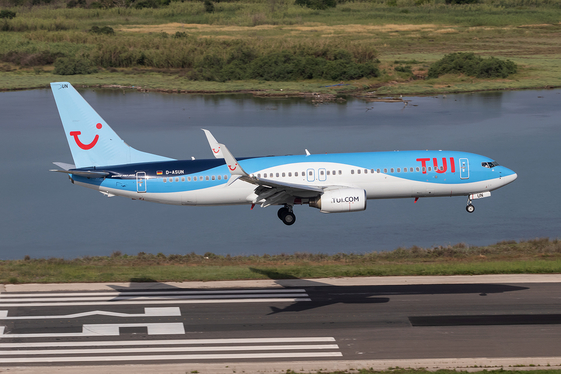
(470, 208)
(286, 215)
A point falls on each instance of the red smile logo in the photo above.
(82, 145)
(216, 150)
(233, 168)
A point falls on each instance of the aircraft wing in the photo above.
(270, 192)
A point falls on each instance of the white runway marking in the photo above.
(148, 312)
(166, 350)
(150, 298)
(108, 330)
(149, 302)
(168, 342)
(235, 356)
(136, 293)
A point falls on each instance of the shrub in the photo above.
(7, 14)
(472, 65)
(317, 4)
(31, 59)
(403, 69)
(209, 6)
(72, 66)
(105, 30)
(179, 35)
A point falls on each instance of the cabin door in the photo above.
(140, 181)
(464, 168)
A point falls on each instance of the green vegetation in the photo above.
(399, 370)
(472, 65)
(509, 257)
(230, 41)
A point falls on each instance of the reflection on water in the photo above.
(43, 215)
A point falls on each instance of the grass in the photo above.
(534, 256)
(525, 31)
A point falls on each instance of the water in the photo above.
(43, 215)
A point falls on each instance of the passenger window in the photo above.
(165, 180)
(340, 172)
(411, 170)
(321, 172)
(417, 168)
(188, 179)
(399, 170)
(328, 172)
(372, 171)
(378, 171)
(352, 171)
(213, 177)
(358, 171)
(405, 170)
(225, 177)
(183, 179)
(391, 170)
(289, 174)
(177, 179)
(295, 173)
(207, 178)
(277, 175)
(385, 170)
(310, 173)
(283, 175)
(430, 168)
(334, 172)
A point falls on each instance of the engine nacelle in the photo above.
(341, 200)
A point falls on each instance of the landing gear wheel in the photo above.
(289, 218)
(286, 216)
(470, 208)
(281, 213)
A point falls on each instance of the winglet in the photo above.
(214, 145)
(233, 166)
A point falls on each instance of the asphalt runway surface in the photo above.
(298, 321)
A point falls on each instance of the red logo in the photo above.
(216, 150)
(441, 169)
(82, 145)
(233, 168)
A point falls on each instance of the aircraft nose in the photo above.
(508, 176)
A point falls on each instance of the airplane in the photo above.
(333, 183)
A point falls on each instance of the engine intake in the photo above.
(340, 200)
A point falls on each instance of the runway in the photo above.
(275, 324)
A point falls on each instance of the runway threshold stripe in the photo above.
(151, 302)
(165, 297)
(11, 360)
(136, 293)
(169, 349)
(166, 342)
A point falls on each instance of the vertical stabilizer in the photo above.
(92, 141)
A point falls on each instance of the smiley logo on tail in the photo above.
(83, 146)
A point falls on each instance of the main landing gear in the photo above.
(286, 215)
(470, 208)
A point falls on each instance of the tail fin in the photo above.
(92, 141)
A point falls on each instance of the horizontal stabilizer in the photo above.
(84, 173)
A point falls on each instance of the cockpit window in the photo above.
(490, 165)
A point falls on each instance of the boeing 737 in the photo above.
(333, 183)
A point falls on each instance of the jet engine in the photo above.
(340, 200)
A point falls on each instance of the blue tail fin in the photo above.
(92, 141)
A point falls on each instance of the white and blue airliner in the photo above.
(332, 183)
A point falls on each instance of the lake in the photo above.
(44, 215)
